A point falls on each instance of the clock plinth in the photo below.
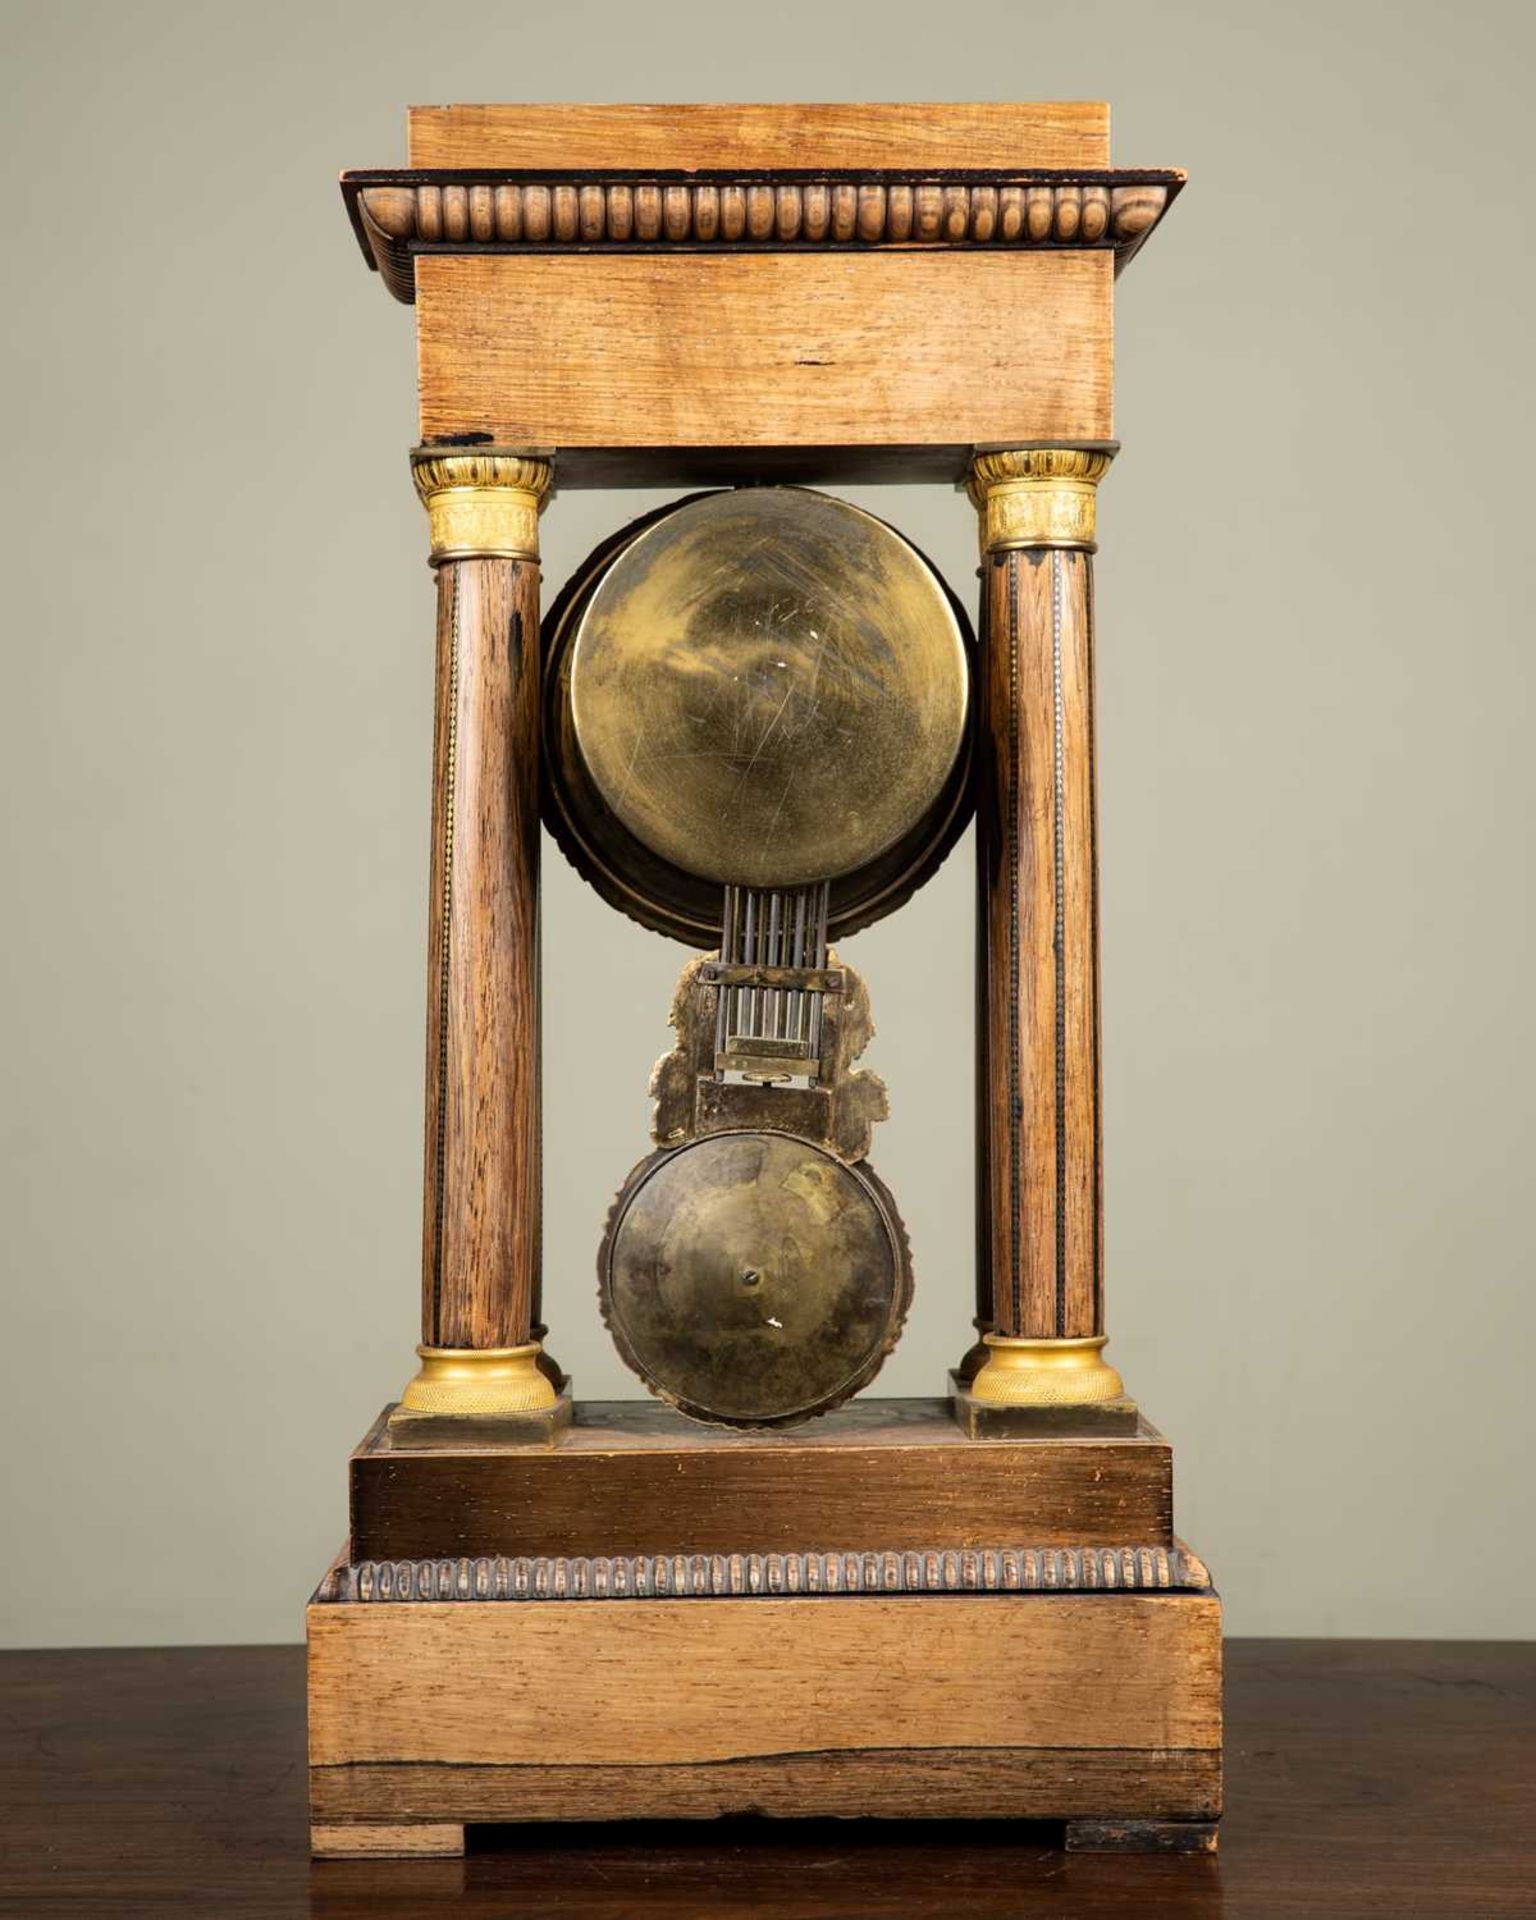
(649, 1617)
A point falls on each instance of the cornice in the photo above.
(398, 215)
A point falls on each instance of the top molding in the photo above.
(546, 179)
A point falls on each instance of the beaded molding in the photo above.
(398, 215)
(1129, 1569)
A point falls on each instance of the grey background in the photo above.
(1317, 789)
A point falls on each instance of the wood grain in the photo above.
(1363, 1777)
(1070, 133)
(932, 1783)
(445, 1684)
(874, 1477)
(480, 1234)
(1037, 853)
(765, 350)
(375, 1840)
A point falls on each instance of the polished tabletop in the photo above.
(1364, 1777)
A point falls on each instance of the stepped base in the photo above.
(651, 1620)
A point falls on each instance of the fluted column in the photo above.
(1040, 1236)
(481, 1351)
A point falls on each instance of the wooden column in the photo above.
(481, 1353)
(1040, 1234)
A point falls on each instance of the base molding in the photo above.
(681, 1576)
(995, 1420)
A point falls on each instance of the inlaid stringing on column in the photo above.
(449, 586)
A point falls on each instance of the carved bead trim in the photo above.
(1129, 1569)
(396, 217)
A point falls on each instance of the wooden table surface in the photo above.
(1364, 1777)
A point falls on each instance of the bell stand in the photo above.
(971, 1606)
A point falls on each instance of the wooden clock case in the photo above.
(972, 1605)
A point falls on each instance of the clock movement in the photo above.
(755, 722)
(758, 701)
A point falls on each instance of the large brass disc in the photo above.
(753, 1279)
(768, 687)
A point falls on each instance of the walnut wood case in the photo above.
(975, 1605)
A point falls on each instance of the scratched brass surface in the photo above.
(768, 687)
(656, 891)
(753, 1279)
